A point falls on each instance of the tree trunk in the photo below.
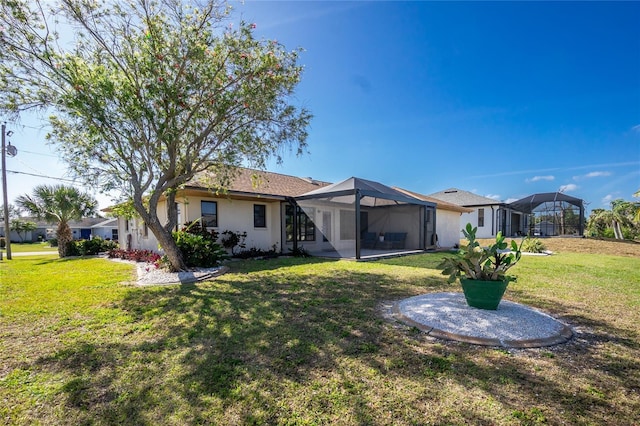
(149, 214)
(168, 244)
(64, 236)
(617, 231)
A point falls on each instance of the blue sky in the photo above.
(503, 99)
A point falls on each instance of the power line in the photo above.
(39, 153)
(37, 175)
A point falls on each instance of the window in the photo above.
(480, 218)
(209, 213)
(114, 234)
(259, 216)
(145, 230)
(306, 229)
(126, 224)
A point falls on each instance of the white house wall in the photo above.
(486, 231)
(233, 215)
(237, 216)
(448, 227)
(104, 232)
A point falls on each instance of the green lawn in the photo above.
(31, 247)
(304, 341)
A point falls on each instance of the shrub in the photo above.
(3, 243)
(72, 249)
(135, 255)
(199, 250)
(256, 252)
(89, 247)
(53, 242)
(300, 252)
(194, 227)
(533, 245)
(232, 239)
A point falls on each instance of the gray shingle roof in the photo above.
(464, 198)
(440, 204)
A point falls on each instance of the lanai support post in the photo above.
(358, 196)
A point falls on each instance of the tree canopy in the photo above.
(21, 227)
(147, 93)
(621, 222)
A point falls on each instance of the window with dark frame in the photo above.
(480, 218)
(259, 216)
(306, 229)
(209, 213)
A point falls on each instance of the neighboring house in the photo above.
(81, 229)
(14, 237)
(284, 212)
(489, 215)
(107, 229)
(448, 219)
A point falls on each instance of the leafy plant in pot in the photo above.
(482, 271)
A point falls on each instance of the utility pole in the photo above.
(7, 230)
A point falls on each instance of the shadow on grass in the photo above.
(289, 341)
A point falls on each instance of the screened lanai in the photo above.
(552, 214)
(360, 219)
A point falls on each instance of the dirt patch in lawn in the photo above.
(587, 245)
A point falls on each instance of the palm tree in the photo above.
(59, 204)
(617, 219)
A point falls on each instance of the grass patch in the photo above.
(32, 247)
(303, 341)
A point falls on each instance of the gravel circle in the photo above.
(149, 275)
(512, 324)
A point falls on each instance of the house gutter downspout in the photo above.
(493, 221)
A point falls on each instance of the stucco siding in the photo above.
(486, 231)
(448, 228)
(233, 215)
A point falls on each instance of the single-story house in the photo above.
(355, 218)
(81, 229)
(489, 215)
(255, 202)
(107, 229)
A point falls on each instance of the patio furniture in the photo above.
(368, 240)
(395, 240)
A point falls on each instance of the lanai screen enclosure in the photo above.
(358, 218)
(552, 214)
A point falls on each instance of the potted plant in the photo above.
(482, 270)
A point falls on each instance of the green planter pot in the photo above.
(483, 294)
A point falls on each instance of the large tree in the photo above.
(146, 94)
(621, 219)
(59, 204)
